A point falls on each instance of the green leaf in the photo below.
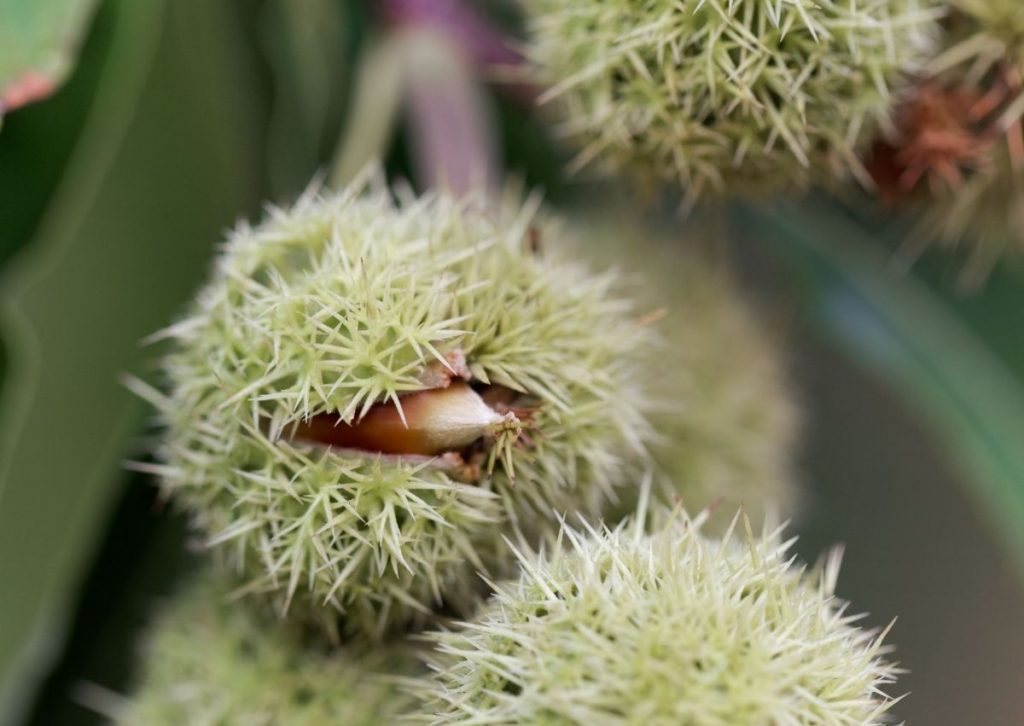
(37, 141)
(380, 81)
(38, 43)
(166, 160)
(898, 327)
(308, 46)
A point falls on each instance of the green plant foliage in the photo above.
(38, 43)
(308, 47)
(726, 95)
(109, 263)
(727, 421)
(919, 343)
(621, 627)
(210, 661)
(334, 312)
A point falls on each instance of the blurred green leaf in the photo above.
(166, 160)
(308, 48)
(38, 43)
(380, 81)
(452, 134)
(898, 327)
(37, 141)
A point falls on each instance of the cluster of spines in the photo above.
(956, 151)
(305, 320)
(726, 417)
(727, 95)
(210, 661)
(351, 300)
(617, 626)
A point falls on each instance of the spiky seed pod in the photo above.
(727, 95)
(727, 418)
(997, 30)
(956, 153)
(356, 387)
(671, 628)
(985, 214)
(983, 217)
(210, 661)
(935, 143)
